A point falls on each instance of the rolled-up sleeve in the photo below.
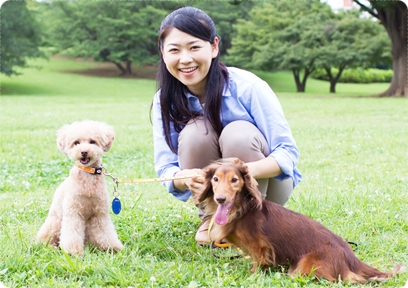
(268, 116)
(166, 162)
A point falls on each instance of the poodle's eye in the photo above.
(76, 143)
(233, 180)
(215, 179)
(92, 142)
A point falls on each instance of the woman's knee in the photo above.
(198, 144)
(242, 139)
(279, 191)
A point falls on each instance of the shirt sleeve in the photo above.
(166, 162)
(268, 115)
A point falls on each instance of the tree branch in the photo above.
(365, 8)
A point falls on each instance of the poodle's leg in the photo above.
(50, 231)
(72, 235)
(101, 233)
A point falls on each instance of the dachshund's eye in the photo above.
(233, 180)
(92, 142)
(76, 143)
(215, 179)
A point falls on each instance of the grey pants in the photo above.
(240, 139)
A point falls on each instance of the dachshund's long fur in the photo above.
(272, 235)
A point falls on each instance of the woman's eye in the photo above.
(92, 142)
(76, 143)
(195, 47)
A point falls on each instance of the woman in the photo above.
(204, 111)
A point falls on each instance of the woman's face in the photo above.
(188, 59)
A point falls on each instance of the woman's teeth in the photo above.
(188, 69)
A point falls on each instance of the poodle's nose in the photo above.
(84, 154)
(220, 199)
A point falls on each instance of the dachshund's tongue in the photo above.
(220, 216)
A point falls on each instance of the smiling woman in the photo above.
(188, 59)
(200, 106)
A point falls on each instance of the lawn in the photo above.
(353, 160)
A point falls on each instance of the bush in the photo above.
(356, 75)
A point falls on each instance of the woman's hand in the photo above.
(194, 184)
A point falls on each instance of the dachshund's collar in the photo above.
(91, 170)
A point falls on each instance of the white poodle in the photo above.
(80, 209)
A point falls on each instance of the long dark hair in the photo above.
(173, 101)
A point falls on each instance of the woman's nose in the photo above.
(185, 57)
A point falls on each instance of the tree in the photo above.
(281, 35)
(350, 42)
(225, 14)
(20, 37)
(121, 32)
(393, 16)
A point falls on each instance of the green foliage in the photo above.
(304, 35)
(357, 75)
(225, 14)
(125, 31)
(105, 30)
(260, 42)
(20, 37)
(353, 166)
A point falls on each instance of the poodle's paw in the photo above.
(114, 245)
(47, 238)
(117, 247)
(73, 249)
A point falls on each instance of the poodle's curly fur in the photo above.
(79, 211)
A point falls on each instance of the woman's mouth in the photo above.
(188, 70)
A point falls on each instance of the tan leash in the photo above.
(116, 204)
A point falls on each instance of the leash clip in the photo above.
(116, 205)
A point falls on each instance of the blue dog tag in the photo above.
(116, 206)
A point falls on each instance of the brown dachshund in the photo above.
(272, 235)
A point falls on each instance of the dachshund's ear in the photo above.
(251, 185)
(207, 190)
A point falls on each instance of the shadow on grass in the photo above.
(24, 89)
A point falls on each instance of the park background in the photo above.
(352, 140)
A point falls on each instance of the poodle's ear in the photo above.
(207, 191)
(250, 184)
(62, 138)
(109, 136)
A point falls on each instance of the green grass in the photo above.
(353, 161)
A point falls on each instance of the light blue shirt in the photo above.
(248, 98)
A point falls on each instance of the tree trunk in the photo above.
(393, 17)
(395, 22)
(125, 71)
(129, 67)
(333, 80)
(301, 85)
(120, 67)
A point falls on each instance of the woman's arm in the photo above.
(264, 168)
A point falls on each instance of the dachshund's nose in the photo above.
(220, 199)
(84, 153)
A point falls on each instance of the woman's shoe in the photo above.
(202, 237)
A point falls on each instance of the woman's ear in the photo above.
(251, 185)
(215, 47)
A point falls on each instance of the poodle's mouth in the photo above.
(85, 160)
